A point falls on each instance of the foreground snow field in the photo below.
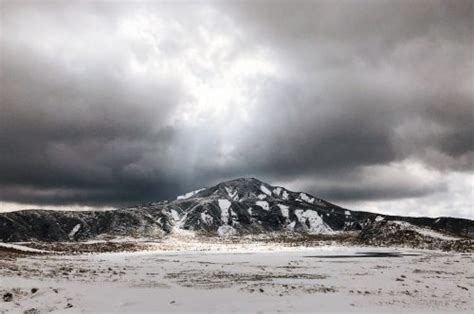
(223, 279)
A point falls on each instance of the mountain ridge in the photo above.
(234, 207)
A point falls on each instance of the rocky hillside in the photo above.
(241, 206)
(402, 233)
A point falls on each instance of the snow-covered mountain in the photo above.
(240, 206)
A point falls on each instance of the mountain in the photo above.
(240, 206)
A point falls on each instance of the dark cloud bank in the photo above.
(106, 104)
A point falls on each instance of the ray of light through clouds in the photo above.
(368, 104)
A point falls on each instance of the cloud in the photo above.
(407, 179)
(454, 201)
(373, 68)
(106, 104)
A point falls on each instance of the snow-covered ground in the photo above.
(424, 231)
(230, 278)
(21, 248)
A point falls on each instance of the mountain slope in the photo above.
(240, 206)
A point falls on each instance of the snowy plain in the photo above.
(240, 278)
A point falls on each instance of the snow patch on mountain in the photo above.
(265, 190)
(313, 222)
(285, 195)
(224, 205)
(206, 218)
(74, 231)
(277, 191)
(284, 210)
(189, 194)
(306, 198)
(291, 226)
(263, 204)
(233, 214)
(249, 210)
(175, 215)
(232, 193)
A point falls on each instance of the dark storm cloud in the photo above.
(319, 134)
(378, 183)
(97, 104)
(368, 192)
(72, 126)
(367, 83)
(351, 30)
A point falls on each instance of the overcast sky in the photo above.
(368, 104)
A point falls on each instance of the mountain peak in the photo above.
(244, 188)
(251, 188)
(242, 181)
